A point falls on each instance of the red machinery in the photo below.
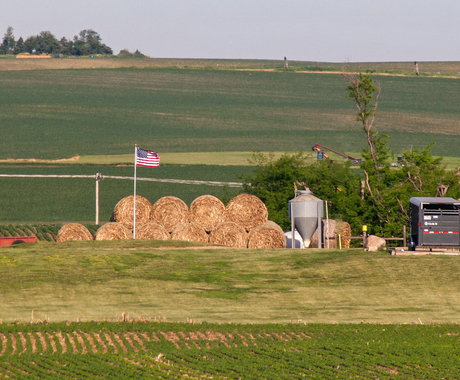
(6, 241)
(318, 147)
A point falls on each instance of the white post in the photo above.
(327, 228)
(134, 200)
(98, 178)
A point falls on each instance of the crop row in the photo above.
(43, 232)
(128, 350)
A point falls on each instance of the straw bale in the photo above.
(246, 210)
(336, 228)
(123, 212)
(170, 212)
(152, 231)
(113, 231)
(268, 235)
(230, 234)
(73, 231)
(190, 232)
(207, 211)
(344, 230)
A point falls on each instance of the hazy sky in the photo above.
(320, 30)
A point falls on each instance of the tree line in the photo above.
(376, 194)
(87, 42)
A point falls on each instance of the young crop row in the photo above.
(164, 350)
(43, 232)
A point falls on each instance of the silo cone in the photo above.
(306, 213)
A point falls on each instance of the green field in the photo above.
(210, 351)
(63, 113)
(100, 280)
(74, 199)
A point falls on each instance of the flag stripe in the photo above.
(147, 158)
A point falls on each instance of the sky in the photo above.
(301, 30)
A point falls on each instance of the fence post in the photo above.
(404, 236)
(364, 237)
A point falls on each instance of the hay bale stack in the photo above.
(207, 211)
(113, 231)
(246, 210)
(73, 231)
(124, 210)
(190, 232)
(170, 212)
(268, 235)
(152, 231)
(230, 234)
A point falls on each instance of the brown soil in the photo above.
(75, 158)
(110, 341)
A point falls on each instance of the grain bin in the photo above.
(434, 221)
(306, 213)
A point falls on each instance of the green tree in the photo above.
(273, 181)
(9, 42)
(90, 42)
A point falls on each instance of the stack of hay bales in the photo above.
(243, 221)
(73, 231)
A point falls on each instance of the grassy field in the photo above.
(101, 280)
(229, 351)
(8, 63)
(63, 113)
(26, 200)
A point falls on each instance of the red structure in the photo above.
(6, 241)
(319, 148)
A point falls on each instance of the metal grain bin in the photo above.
(306, 213)
(434, 221)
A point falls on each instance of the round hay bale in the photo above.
(152, 231)
(246, 210)
(73, 231)
(230, 234)
(170, 212)
(190, 232)
(336, 228)
(268, 235)
(123, 212)
(344, 230)
(207, 211)
(113, 231)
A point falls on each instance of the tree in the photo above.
(90, 42)
(388, 190)
(365, 93)
(8, 43)
(273, 181)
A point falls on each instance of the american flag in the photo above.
(147, 158)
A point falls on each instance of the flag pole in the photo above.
(134, 200)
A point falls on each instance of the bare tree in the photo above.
(365, 93)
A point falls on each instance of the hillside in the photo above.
(216, 106)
